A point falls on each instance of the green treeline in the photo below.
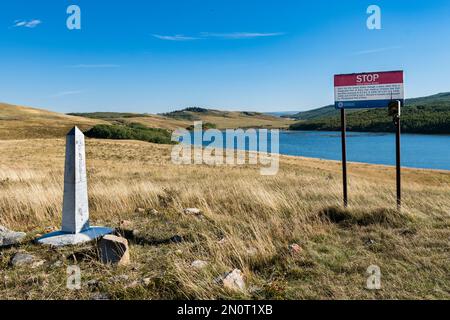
(133, 131)
(428, 117)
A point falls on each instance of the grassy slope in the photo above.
(257, 216)
(149, 120)
(185, 119)
(440, 99)
(230, 119)
(17, 122)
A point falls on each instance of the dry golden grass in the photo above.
(17, 122)
(155, 121)
(235, 120)
(258, 217)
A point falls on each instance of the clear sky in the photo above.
(155, 56)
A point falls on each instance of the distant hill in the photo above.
(429, 114)
(184, 119)
(315, 113)
(229, 119)
(148, 120)
(17, 122)
(284, 114)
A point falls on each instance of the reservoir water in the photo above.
(418, 150)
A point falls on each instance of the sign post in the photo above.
(395, 112)
(344, 157)
(370, 90)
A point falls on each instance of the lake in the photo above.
(418, 150)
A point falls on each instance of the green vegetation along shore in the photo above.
(428, 115)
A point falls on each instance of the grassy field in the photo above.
(248, 222)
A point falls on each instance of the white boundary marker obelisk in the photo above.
(75, 221)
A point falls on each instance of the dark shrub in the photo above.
(133, 131)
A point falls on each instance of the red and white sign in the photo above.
(368, 90)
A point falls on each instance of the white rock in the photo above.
(100, 296)
(9, 238)
(57, 264)
(126, 224)
(234, 281)
(120, 278)
(37, 264)
(252, 251)
(192, 211)
(22, 259)
(133, 284)
(92, 283)
(295, 248)
(199, 264)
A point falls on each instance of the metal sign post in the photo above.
(395, 112)
(344, 156)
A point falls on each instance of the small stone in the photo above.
(9, 238)
(176, 239)
(254, 289)
(22, 259)
(140, 210)
(369, 242)
(118, 279)
(92, 283)
(135, 233)
(37, 264)
(234, 281)
(133, 284)
(49, 229)
(153, 212)
(252, 251)
(125, 224)
(57, 264)
(114, 250)
(146, 281)
(199, 264)
(295, 248)
(192, 211)
(100, 296)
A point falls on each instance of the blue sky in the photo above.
(156, 56)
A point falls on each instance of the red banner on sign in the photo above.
(365, 79)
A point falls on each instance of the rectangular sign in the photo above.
(368, 90)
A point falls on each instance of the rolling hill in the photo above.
(230, 119)
(430, 115)
(18, 122)
(185, 118)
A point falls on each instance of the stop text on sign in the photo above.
(368, 90)
(363, 78)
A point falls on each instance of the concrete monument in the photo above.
(75, 217)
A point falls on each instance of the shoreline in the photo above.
(287, 156)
